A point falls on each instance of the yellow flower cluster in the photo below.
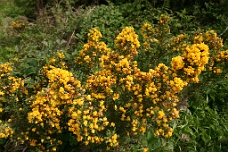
(164, 19)
(178, 43)
(94, 119)
(18, 24)
(94, 35)
(5, 68)
(5, 130)
(113, 141)
(61, 55)
(148, 33)
(154, 43)
(177, 63)
(12, 84)
(210, 38)
(127, 41)
(196, 56)
(133, 81)
(88, 124)
(220, 59)
(101, 82)
(177, 85)
(48, 108)
(147, 29)
(92, 50)
(91, 120)
(58, 60)
(121, 79)
(223, 55)
(162, 92)
(9, 86)
(198, 38)
(192, 62)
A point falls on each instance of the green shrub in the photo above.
(92, 90)
(130, 90)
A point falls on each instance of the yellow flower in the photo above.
(85, 122)
(60, 55)
(189, 70)
(217, 71)
(177, 63)
(2, 93)
(175, 113)
(2, 135)
(163, 19)
(145, 149)
(33, 142)
(94, 35)
(112, 124)
(54, 149)
(161, 114)
(115, 96)
(177, 84)
(143, 129)
(127, 39)
(88, 97)
(52, 60)
(74, 115)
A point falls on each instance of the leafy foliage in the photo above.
(165, 54)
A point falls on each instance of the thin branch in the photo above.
(70, 38)
(24, 149)
(163, 5)
(223, 31)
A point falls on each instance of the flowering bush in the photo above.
(128, 91)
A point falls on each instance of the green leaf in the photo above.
(29, 82)
(29, 71)
(154, 143)
(33, 62)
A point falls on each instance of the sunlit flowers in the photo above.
(123, 92)
(127, 41)
(177, 63)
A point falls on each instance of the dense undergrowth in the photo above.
(103, 75)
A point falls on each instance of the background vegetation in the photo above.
(34, 32)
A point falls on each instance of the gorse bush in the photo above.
(111, 97)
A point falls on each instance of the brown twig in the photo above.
(70, 38)
(223, 32)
